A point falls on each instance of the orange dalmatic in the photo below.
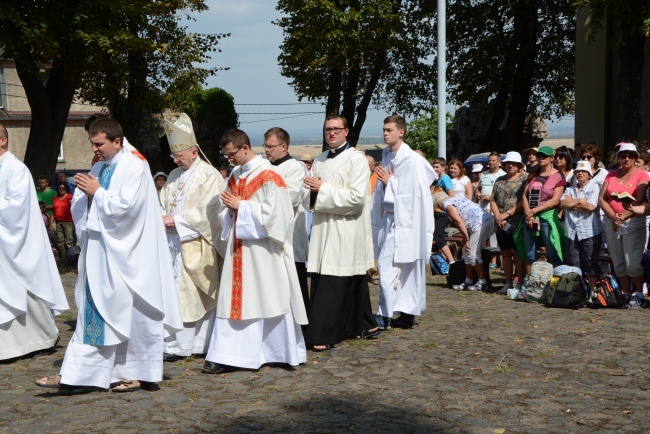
(245, 190)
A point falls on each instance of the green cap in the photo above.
(546, 150)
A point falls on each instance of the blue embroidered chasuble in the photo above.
(93, 322)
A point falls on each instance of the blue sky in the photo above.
(254, 77)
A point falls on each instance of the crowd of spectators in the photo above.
(560, 205)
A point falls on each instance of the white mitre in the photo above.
(180, 134)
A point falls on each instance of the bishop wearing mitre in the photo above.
(184, 200)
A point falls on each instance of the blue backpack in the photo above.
(438, 264)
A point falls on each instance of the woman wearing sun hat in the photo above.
(625, 231)
(543, 192)
(507, 207)
(582, 227)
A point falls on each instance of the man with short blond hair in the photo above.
(403, 226)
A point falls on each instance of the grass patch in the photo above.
(430, 344)
(542, 354)
(502, 366)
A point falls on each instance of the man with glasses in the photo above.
(30, 286)
(260, 307)
(340, 250)
(184, 200)
(276, 147)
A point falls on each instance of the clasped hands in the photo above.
(230, 200)
(383, 175)
(89, 184)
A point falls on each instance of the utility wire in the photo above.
(281, 113)
(277, 119)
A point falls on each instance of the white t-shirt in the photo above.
(459, 185)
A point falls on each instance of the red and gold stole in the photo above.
(245, 190)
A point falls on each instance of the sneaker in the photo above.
(478, 286)
(383, 322)
(636, 303)
(504, 290)
(462, 287)
(493, 266)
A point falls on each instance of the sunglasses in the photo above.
(542, 156)
(61, 188)
(586, 157)
(628, 155)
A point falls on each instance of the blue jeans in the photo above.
(531, 241)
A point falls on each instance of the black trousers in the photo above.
(339, 308)
(301, 269)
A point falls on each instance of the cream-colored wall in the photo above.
(17, 100)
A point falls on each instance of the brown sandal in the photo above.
(53, 381)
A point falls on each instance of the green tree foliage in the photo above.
(213, 113)
(519, 55)
(352, 53)
(422, 133)
(628, 29)
(114, 52)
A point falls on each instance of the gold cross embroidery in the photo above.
(168, 130)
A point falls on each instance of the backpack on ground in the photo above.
(569, 291)
(607, 293)
(438, 264)
(534, 289)
(457, 273)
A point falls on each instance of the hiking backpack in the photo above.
(533, 289)
(607, 293)
(569, 291)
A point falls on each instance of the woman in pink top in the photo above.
(625, 231)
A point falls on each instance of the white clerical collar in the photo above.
(115, 158)
(248, 167)
(338, 149)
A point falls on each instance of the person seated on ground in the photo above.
(543, 193)
(475, 226)
(507, 207)
(462, 184)
(624, 228)
(582, 228)
(442, 184)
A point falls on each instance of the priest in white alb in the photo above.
(276, 147)
(259, 307)
(402, 223)
(125, 292)
(184, 200)
(30, 286)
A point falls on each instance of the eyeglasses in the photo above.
(271, 147)
(232, 155)
(333, 130)
(586, 157)
(628, 155)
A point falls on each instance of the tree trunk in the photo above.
(493, 139)
(629, 86)
(333, 98)
(362, 109)
(350, 88)
(526, 28)
(137, 91)
(50, 107)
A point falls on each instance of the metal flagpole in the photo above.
(442, 80)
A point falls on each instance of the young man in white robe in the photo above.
(340, 250)
(184, 199)
(403, 224)
(30, 287)
(259, 307)
(125, 292)
(276, 147)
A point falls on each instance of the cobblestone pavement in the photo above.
(477, 362)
